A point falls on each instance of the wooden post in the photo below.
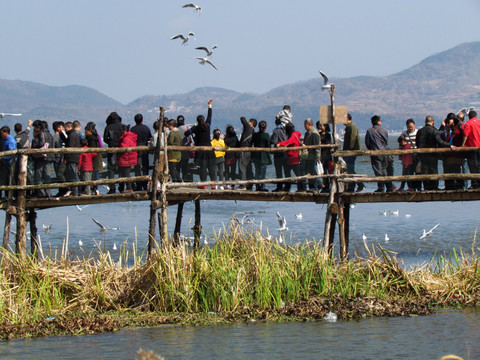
(153, 204)
(21, 237)
(334, 125)
(163, 188)
(197, 228)
(34, 244)
(346, 232)
(6, 230)
(178, 224)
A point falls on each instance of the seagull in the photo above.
(429, 232)
(244, 220)
(352, 206)
(299, 216)
(47, 228)
(204, 61)
(207, 51)
(394, 212)
(114, 246)
(80, 242)
(2, 115)
(283, 223)
(326, 85)
(384, 213)
(386, 237)
(195, 7)
(364, 237)
(80, 208)
(104, 228)
(184, 38)
(408, 215)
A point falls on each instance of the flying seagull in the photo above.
(384, 213)
(184, 38)
(195, 7)
(2, 115)
(207, 51)
(326, 85)
(283, 226)
(429, 232)
(394, 212)
(80, 208)
(204, 61)
(104, 228)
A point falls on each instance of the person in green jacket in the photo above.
(351, 141)
(174, 156)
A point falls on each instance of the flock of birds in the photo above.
(185, 38)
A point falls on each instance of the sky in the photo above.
(123, 48)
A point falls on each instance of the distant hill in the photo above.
(439, 84)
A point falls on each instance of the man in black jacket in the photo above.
(111, 137)
(246, 140)
(429, 137)
(144, 135)
(71, 139)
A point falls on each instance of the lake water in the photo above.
(426, 337)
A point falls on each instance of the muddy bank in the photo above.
(313, 309)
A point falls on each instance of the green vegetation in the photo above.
(242, 276)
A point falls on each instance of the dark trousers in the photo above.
(71, 175)
(297, 171)
(311, 168)
(142, 168)
(350, 161)
(473, 161)
(429, 166)
(245, 167)
(124, 171)
(172, 168)
(280, 164)
(111, 167)
(42, 176)
(379, 166)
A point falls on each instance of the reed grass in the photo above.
(242, 270)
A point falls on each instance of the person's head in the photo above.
(262, 126)
(216, 134)
(376, 120)
(308, 123)
(200, 119)
(472, 114)
(156, 125)
(68, 125)
(113, 117)
(230, 131)
(138, 119)
(90, 128)
(457, 123)
(319, 126)
(402, 141)
(60, 126)
(349, 118)
(172, 124)
(410, 125)
(5, 131)
(289, 129)
(287, 107)
(461, 116)
(125, 128)
(17, 128)
(76, 125)
(44, 125)
(253, 122)
(83, 142)
(37, 126)
(180, 120)
(429, 120)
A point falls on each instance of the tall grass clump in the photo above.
(241, 271)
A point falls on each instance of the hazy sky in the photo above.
(123, 48)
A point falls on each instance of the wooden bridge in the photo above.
(167, 193)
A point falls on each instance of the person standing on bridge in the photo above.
(244, 158)
(351, 141)
(126, 160)
(377, 139)
(430, 137)
(111, 137)
(144, 135)
(471, 138)
(312, 137)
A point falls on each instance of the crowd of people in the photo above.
(222, 166)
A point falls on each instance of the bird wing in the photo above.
(98, 223)
(284, 223)
(325, 78)
(243, 219)
(188, 5)
(191, 34)
(431, 230)
(214, 47)
(202, 48)
(279, 217)
(179, 36)
(210, 63)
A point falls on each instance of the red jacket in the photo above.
(129, 139)
(293, 141)
(85, 162)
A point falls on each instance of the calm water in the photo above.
(426, 337)
(421, 337)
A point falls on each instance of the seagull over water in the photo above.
(387, 238)
(104, 228)
(283, 226)
(80, 208)
(207, 51)
(429, 232)
(326, 84)
(47, 228)
(184, 38)
(204, 61)
(299, 216)
(195, 7)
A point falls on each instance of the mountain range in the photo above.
(441, 83)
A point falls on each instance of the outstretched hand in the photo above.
(210, 102)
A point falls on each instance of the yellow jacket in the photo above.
(219, 143)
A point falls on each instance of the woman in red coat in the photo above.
(126, 160)
(293, 160)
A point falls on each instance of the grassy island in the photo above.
(242, 277)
